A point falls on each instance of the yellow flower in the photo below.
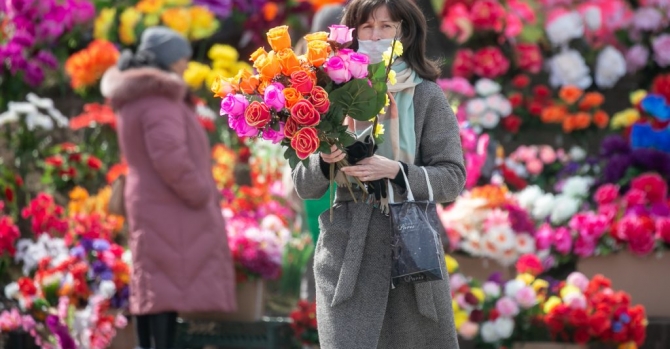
(452, 263)
(398, 49)
(526, 278)
(213, 73)
(178, 19)
(397, 52)
(78, 194)
(637, 97)
(551, 303)
(460, 317)
(223, 52)
(195, 74)
(243, 66)
(178, 2)
(392, 78)
(379, 130)
(151, 20)
(627, 345)
(624, 118)
(454, 306)
(479, 293)
(539, 285)
(127, 23)
(203, 23)
(104, 23)
(149, 6)
(568, 290)
(223, 64)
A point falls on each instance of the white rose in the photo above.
(569, 68)
(500, 104)
(565, 28)
(476, 106)
(12, 290)
(610, 67)
(577, 186)
(592, 17)
(543, 206)
(504, 327)
(527, 197)
(564, 208)
(577, 153)
(489, 333)
(491, 289)
(489, 119)
(486, 87)
(107, 289)
(512, 287)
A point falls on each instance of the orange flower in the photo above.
(582, 120)
(268, 66)
(94, 114)
(591, 100)
(569, 124)
(317, 52)
(570, 94)
(270, 11)
(262, 85)
(601, 119)
(221, 87)
(260, 52)
(493, 194)
(278, 38)
(248, 83)
(316, 36)
(87, 66)
(554, 114)
(292, 96)
(288, 61)
(115, 171)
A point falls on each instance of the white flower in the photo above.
(592, 17)
(527, 197)
(543, 206)
(507, 257)
(37, 120)
(9, 116)
(22, 107)
(476, 106)
(489, 333)
(472, 244)
(44, 103)
(490, 119)
(501, 236)
(205, 112)
(61, 120)
(486, 87)
(127, 257)
(512, 287)
(504, 327)
(107, 289)
(577, 153)
(610, 67)
(564, 208)
(525, 243)
(569, 68)
(577, 186)
(565, 28)
(12, 290)
(491, 289)
(500, 104)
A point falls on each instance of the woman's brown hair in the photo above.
(413, 30)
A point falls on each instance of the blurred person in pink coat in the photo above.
(181, 259)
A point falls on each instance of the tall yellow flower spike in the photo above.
(104, 22)
(392, 78)
(379, 130)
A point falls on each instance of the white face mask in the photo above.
(374, 49)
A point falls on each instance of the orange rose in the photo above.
(305, 142)
(288, 61)
(290, 128)
(260, 52)
(302, 82)
(569, 124)
(319, 98)
(591, 100)
(292, 96)
(570, 94)
(248, 83)
(221, 87)
(601, 119)
(304, 114)
(316, 36)
(257, 114)
(268, 66)
(262, 85)
(582, 121)
(317, 52)
(554, 114)
(278, 38)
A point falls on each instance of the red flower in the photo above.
(663, 229)
(512, 179)
(9, 194)
(579, 318)
(68, 147)
(94, 163)
(75, 157)
(27, 286)
(661, 85)
(18, 180)
(521, 81)
(529, 263)
(9, 233)
(487, 15)
(493, 315)
(554, 321)
(653, 186)
(462, 66)
(512, 123)
(207, 124)
(55, 161)
(541, 91)
(535, 108)
(490, 62)
(529, 57)
(639, 232)
(516, 99)
(582, 335)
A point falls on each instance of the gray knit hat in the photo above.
(327, 16)
(167, 45)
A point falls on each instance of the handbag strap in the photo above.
(410, 195)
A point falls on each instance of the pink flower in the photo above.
(609, 211)
(274, 97)
(562, 240)
(456, 24)
(507, 307)
(234, 105)
(490, 62)
(457, 281)
(358, 65)
(526, 297)
(544, 237)
(534, 166)
(589, 225)
(468, 330)
(241, 127)
(463, 63)
(661, 45)
(606, 194)
(663, 229)
(575, 301)
(457, 85)
(584, 247)
(513, 25)
(523, 10)
(529, 57)
(635, 197)
(647, 19)
(275, 136)
(639, 232)
(530, 264)
(578, 280)
(337, 70)
(636, 58)
(487, 15)
(120, 321)
(547, 154)
(340, 33)
(654, 187)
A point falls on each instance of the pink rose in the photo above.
(241, 127)
(534, 166)
(275, 136)
(507, 307)
(234, 105)
(609, 211)
(589, 225)
(345, 53)
(526, 297)
(522, 10)
(513, 25)
(653, 185)
(584, 247)
(340, 33)
(547, 154)
(544, 237)
(274, 96)
(578, 280)
(639, 232)
(634, 197)
(661, 45)
(563, 240)
(636, 58)
(358, 65)
(663, 229)
(337, 70)
(606, 194)
(468, 330)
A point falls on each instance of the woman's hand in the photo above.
(335, 155)
(373, 168)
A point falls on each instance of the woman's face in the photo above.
(179, 67)
(379, 26)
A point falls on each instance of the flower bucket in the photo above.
(250, 305)
(481, 268)
(635, 275)
(547, 345)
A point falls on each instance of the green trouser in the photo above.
(314, 208)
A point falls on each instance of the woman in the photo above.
(356, 307)
(181, 260)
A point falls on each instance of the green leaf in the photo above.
(354, 99)
(326, 126)
(324, 148)
(334, 116)
(347, 139)
(377, 71)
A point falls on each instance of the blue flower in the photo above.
(100, 245)
(655, 105)
(642, 136)
(617, 327)
(624, 318)
(663, 140)
(78, 252)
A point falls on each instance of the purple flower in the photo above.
(519, 219)
(99, 267)
(496, 277)
(221, 8)
(81, 11)
(275, 136)
(78, 252)
(652, 160)
(17, 63)
(660, 209)
(87, 244)
(61, 333)
(613, 145)
(647, 19)
(616, 168)
(17, 7)
(23, 38)
(34, 74)
(100, 245)
(661, 45)
(636, 58)
(47, 59)
(49, 29)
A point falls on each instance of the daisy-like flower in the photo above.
(525, 243)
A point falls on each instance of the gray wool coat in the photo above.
(356, 307)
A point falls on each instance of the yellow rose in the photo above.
(452, 263)
(178, 19)
(149, 6)
(551, 303)
(221, 86)
(220, 52)
(624, 118)
(127, 23)
(203, 23)
(479, 293)
(637, 97)
(460, 318)
(195, 74)
(104, 23)
(568, 290)
(526, 278)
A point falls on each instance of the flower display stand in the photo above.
(269, 333)
(250, 305)
(547, 345)
(482, 268)
(635, 275)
